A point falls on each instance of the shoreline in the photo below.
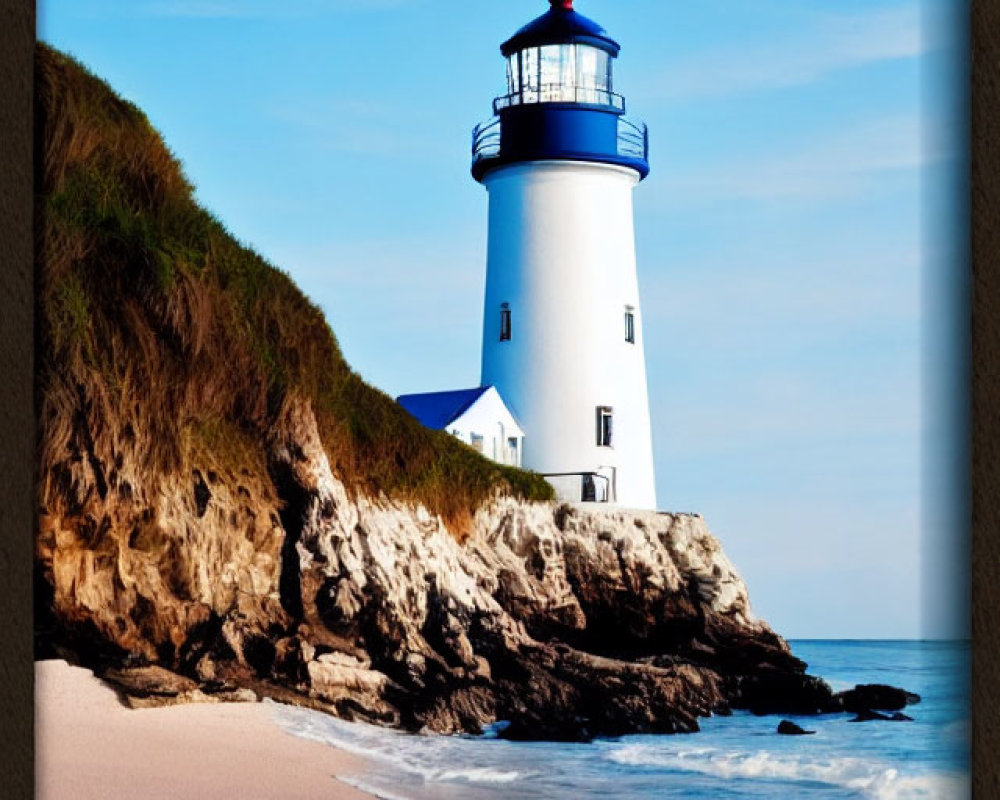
(90, 746)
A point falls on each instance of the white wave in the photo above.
(919, 787)
(428, 758)
(493, 769)
(481, 775)
(870, 779)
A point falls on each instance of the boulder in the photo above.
(789, 728)
(152, 681)
(876, 695)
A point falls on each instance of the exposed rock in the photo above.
(149, 682)
(789, 728)
(569, 623)
(152, 687)
(775, 691)
(875, 695)
(194, 696)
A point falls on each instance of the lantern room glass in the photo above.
(560, 73)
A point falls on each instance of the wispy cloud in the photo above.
(839, 164)
(256, 9)
(831, 43)
(819, 290)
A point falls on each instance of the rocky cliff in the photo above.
(567, 622)
(224, 506)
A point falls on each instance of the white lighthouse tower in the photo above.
(562, 331)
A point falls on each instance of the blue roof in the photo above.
(437, 409)
(560, 25)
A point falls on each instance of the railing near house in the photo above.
(582, 487)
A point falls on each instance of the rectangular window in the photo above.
(604, 414)
(549, 81)
(593, 74)
(476, 440)
(530, 78)
(567, 72)
(514, 74)
(512, 451)
(504, 322)
(629, 325)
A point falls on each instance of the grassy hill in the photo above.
(152, 318)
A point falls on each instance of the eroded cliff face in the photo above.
(567, 622)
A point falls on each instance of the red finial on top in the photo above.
(566, 4)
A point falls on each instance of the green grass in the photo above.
(150, 310)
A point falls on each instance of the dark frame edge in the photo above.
(985, 243)
(17, 35)
(17, 423)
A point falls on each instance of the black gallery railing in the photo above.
(633, 139)
(560, 93)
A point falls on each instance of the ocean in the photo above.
(733, 757)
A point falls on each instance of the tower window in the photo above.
(504, 322)
(604, 414)
(629, 325)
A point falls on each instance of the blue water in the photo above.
(740, 756)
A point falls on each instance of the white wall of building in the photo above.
(561, 253)
(490, 419)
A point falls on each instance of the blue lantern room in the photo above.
(560, 101)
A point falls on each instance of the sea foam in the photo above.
(430, 758)
(868, 778)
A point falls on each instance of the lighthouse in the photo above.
(562, 327)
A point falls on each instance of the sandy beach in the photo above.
(89, 745)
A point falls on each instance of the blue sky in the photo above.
(796, 239)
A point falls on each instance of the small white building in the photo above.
(477, 416)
